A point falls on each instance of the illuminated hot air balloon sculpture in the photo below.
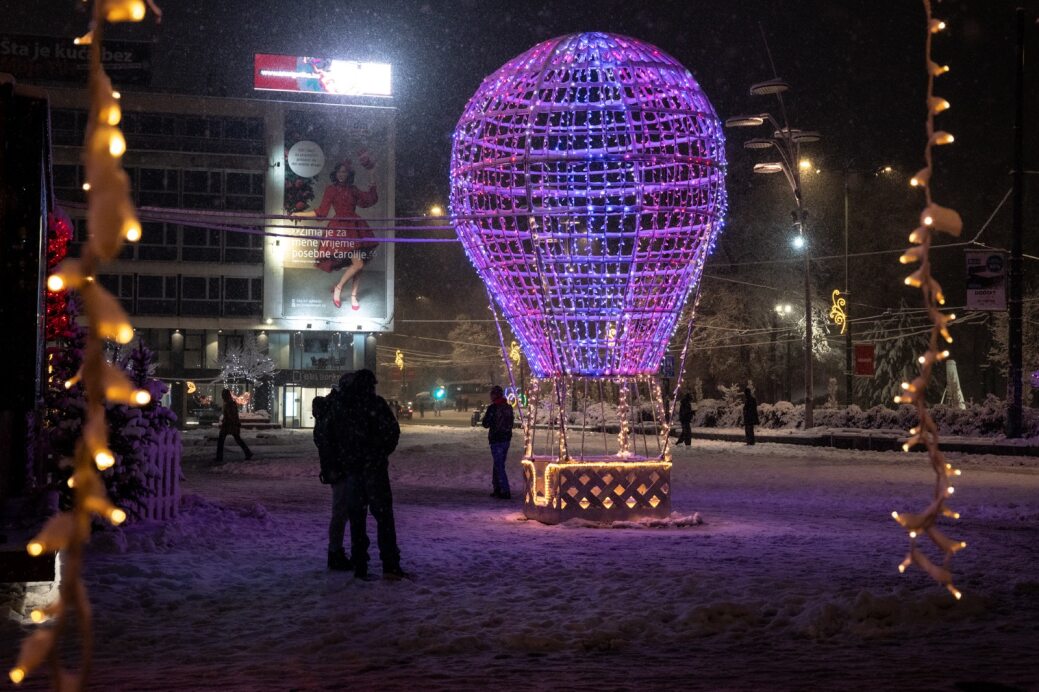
(587, 188)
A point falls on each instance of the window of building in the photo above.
(68, 126)
(158, 241)
(194, 350)
(68, 182)
(156, 295)
(244, 191)
(158, 342)
(203, 189)
(120, 286)
(200, 244)
(242, 297)
(243, 248)
(200, 296)
(226, 342)
(158, 187)
(157, 124)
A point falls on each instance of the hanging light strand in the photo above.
(934, 217)
(111, 221)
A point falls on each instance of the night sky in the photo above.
(856, 68)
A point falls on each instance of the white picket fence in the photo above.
(163, 498)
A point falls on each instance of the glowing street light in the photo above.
(798, 242)
(436, 210)
(787, 142)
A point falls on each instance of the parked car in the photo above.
(402, 409)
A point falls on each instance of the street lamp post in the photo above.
(787, 142)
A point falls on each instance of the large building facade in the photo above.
(217, 274)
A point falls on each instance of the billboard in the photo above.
(326, 267)
(321, 76)
(51, 59)
(986, 280)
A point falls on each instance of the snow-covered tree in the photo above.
(134, 430)
(476, 351)
(899, 338)
(999, 353)
(248, 363)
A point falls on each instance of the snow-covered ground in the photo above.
(790, 582)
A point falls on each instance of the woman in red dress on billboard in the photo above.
(344, 243)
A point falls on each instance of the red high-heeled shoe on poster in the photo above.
(337, 296)
(354, 303)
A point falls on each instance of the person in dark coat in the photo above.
(365, 433)
(498, 420)
(231, 425)
(332, 473)
(750, 414)
(685, 417)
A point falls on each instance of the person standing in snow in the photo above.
(750, 414)
(498, 420)
(365, 433)
(230, 424)
(332, 471)
(685, 417)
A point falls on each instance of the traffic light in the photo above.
(439, 393)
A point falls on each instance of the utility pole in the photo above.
(809, 420)
(849, 378)
(1014, 385)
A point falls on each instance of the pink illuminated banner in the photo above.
(321, 76)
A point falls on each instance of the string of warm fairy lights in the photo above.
(111, 221)
(933, 218)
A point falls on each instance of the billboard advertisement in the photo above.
(326, 267)
(986, 280)
(321, 76)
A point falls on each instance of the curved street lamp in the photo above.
(787, 142)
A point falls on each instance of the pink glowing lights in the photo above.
(587, 187)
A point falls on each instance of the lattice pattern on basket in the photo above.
(587, 189)
(629, 488)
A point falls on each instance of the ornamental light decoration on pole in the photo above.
(786, 141)
(840, 302)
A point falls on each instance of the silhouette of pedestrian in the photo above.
(498, 419)
(685, 417)
(332, 471)
(750, 414)
(230, 424)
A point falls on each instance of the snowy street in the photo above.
(790, 582)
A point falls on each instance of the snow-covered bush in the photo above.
(781, 414)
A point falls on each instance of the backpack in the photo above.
(324, 439)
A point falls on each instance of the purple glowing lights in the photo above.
(587, 187)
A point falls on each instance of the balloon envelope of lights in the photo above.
(587, 188)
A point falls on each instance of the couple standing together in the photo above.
(355, 432)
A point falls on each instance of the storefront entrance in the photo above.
(295, 391)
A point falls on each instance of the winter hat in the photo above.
(497, 391)
(365, 379)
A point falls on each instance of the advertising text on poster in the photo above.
(986, 280)
(329, 267)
